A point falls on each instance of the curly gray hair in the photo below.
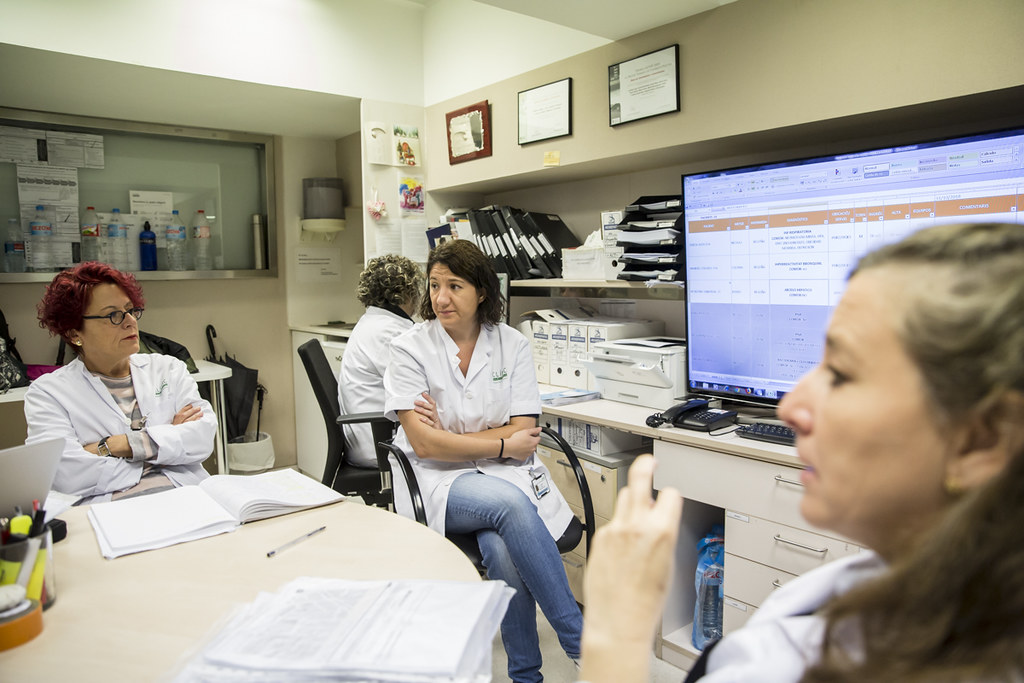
(389, 279)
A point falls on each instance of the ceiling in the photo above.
(611, 19)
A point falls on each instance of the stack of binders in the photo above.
(652, 240)
(523, 244)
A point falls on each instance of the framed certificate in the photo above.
(545, 112)
(469, 132)
(644, 86)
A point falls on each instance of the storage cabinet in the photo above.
(767, 542)
(227, 174)
(605, 474)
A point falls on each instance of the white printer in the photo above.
(644, 371)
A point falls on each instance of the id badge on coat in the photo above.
(540, 485)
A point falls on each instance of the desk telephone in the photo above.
(694, 414)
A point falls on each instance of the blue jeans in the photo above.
(517, 548)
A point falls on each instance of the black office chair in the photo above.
(573, 535)
(366, 482)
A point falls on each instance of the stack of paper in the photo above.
(216, 505)
(316, 629)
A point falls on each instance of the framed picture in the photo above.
(545, 112)
(469, 132)
(644, 86)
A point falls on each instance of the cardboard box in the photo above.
(583, 264)
(593, 439)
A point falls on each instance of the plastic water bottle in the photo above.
(175, 234)
(42, 242)
(147, 248)
(90, 235)
(14, 248)
(710, 599)
(117, 236)
(201, 240)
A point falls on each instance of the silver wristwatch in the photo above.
(102, 448)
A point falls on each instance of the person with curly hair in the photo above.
(389, 288)
(463, 386)
(132, 423)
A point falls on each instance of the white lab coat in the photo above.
(73, 404)
(500, 383)
(784, 636)
(361, 378)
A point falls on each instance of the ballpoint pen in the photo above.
(289, 544)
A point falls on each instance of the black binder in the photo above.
(554, 234)
(515, 219)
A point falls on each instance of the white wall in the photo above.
(345, 47)
(467, 45)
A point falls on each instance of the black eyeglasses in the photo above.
(117, 317)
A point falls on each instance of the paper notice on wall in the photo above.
(21, 145)
(80, 150)
(378, 143)
(317, 265)
(388, 238)
(415, 244)
(56, 190)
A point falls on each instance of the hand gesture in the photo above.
(628, 575)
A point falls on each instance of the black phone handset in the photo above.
(694, 414)
(673, 413)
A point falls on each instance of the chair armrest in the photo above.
(589, 525)
(359, 418)
(419, 512)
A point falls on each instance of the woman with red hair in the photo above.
(132, 423)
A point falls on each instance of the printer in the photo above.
(644, 371)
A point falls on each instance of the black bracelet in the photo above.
(502, 451)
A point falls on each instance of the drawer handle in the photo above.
(571, 563)
(782, 480)
(565, 464)
(777, 584)
(780, 539)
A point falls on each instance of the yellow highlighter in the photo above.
(35, 583)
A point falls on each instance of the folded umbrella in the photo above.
(239, 390)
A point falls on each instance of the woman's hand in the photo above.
(522, 444)
(628, 575)
(426, 408)
(189, 413)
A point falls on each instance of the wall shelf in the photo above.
(597, 289)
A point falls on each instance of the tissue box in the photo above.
(583, 264)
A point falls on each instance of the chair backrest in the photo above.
(325, 388)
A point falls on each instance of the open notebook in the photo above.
(217, 505)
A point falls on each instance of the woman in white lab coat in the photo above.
(912, 435)
(132, 423)
(389, 288)
(462, 385)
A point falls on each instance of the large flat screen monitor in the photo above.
(769, 247)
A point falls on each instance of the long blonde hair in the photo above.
(952, 607)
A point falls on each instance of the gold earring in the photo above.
(953, 486)
(78, 342)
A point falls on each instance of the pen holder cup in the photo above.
(29, 563)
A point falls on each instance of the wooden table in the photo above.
(136, 617)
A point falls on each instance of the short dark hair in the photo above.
(389, 279)
(68, 294)
(466, 261)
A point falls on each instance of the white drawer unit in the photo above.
(789, 549)
(752, 582)
(767, 541)
(759, 488)
(605, 475)
(735, 614)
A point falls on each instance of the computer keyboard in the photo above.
(763, 431)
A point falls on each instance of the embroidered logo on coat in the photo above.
(163, 385)
(498, 376)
